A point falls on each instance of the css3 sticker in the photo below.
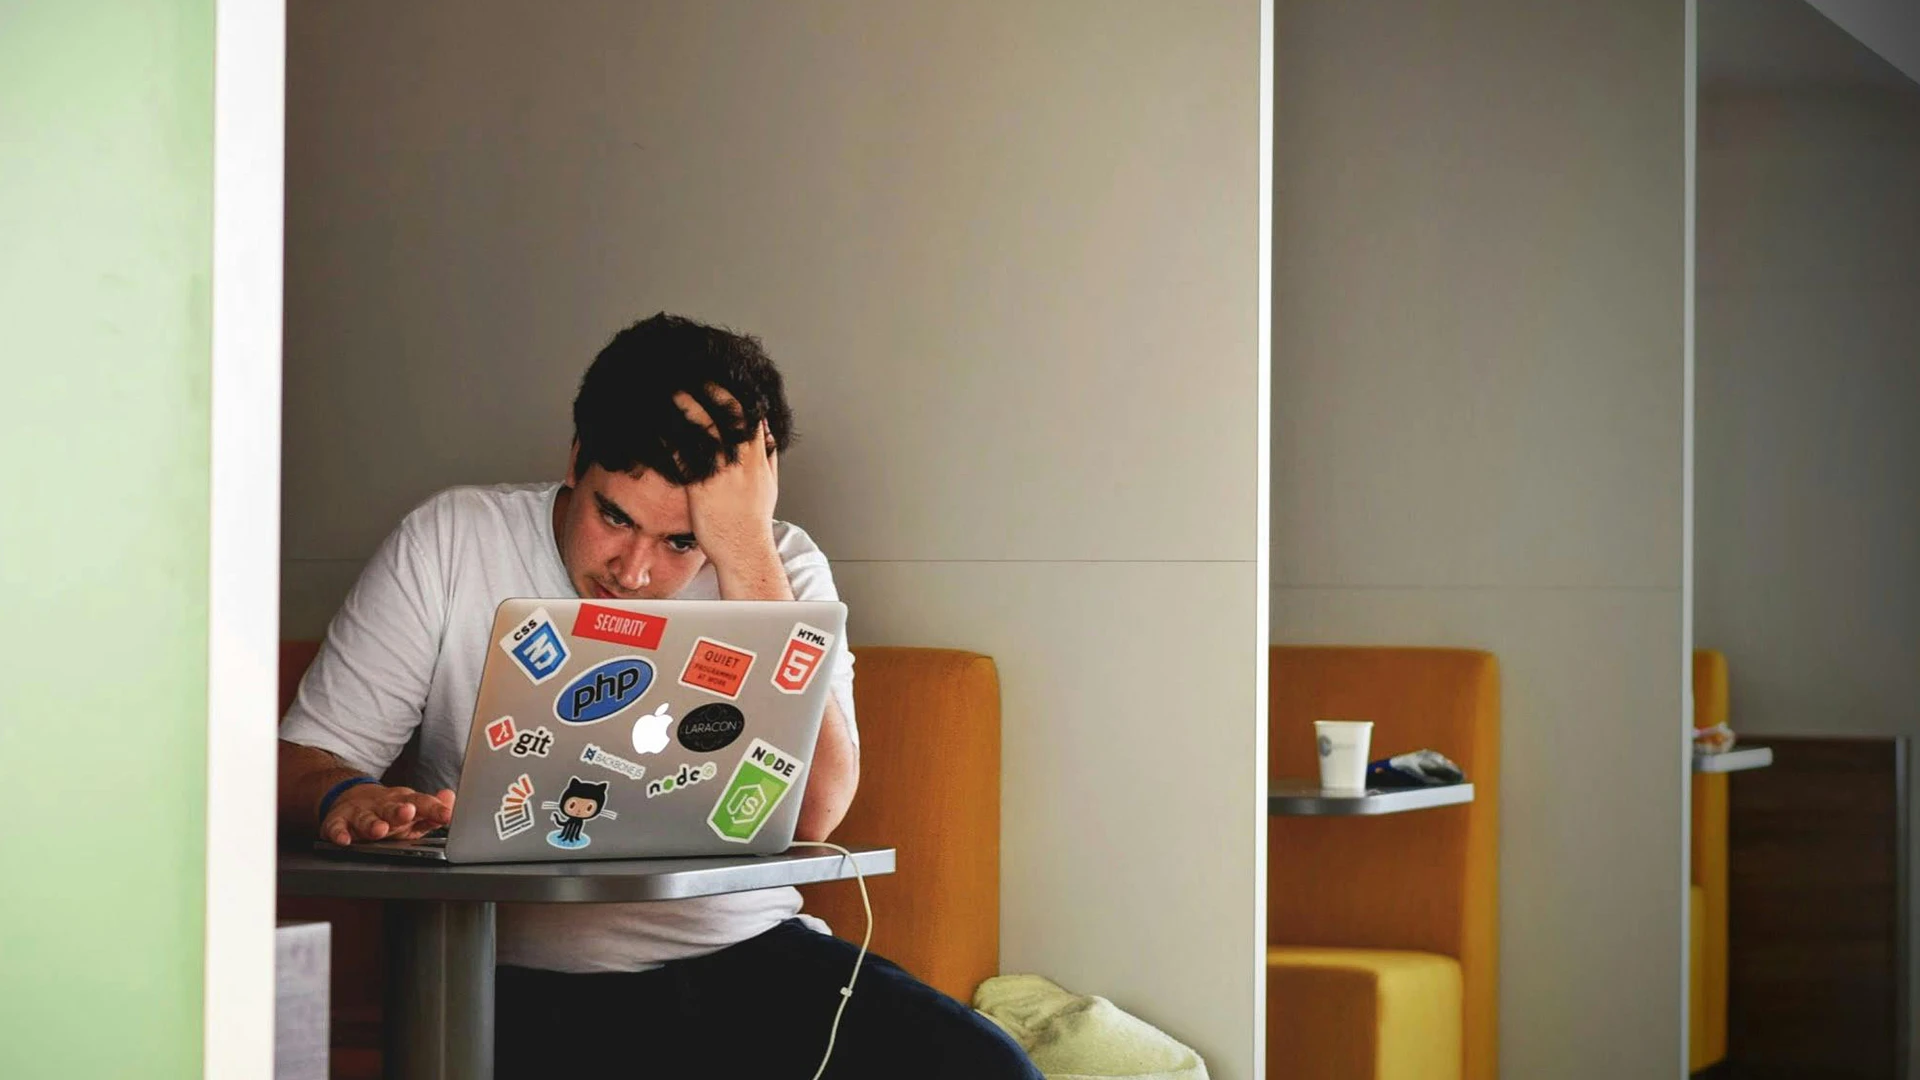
(536, 646)
(760, 781)
(806, 650)
(603, 690)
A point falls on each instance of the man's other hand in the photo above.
(374, 812)
(732, 510)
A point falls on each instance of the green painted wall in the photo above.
(106, 186)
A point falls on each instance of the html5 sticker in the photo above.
(807, 649)
(633, 628)
(536, 646)
(717, 668)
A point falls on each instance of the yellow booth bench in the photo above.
(1383, 932)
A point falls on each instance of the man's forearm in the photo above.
(758, 575)
(832, 778)
(305, 776)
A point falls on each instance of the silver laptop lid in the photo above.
(615, 729)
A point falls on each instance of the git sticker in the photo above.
(634, 628)
(536, 647)
(516, 809)
(806, 650)
(760, 780)
(501, 732)
(717, 668)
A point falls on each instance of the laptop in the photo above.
(620, 729)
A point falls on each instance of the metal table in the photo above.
(1305, 798)
(440, 945)
(1753, 757)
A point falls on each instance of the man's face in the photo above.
(626, 537)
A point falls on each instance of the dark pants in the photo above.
(758, 1010)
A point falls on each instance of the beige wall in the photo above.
(1809, 411)
(1007, 256)
(1478, 406)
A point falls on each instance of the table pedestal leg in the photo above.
(439, 1011)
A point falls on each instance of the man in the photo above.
(669, 493)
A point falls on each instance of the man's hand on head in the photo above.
(732, 510)
(375, 812)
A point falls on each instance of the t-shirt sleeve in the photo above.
(812, 579)
(364, 694)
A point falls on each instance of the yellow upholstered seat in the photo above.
(1420, 888)
(1333, 1014)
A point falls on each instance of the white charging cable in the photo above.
(846, 992)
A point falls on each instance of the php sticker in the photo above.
(711, 727)
(717, 668)
(583, 801)
(536, 646)
(501, 732)
(632, 628)
(688, 776)
(760, 780)
(603, 690)
(807, 649)
(594, 755)
(516, 810)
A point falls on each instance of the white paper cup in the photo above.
(1343, 753)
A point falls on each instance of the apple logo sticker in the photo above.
(650, 731)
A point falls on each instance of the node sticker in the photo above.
(760, 781)
(688, 776)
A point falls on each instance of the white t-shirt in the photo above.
(406, 650)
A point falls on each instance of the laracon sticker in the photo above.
(760, 780)
(536, 646)
(603, 690)
(501, 732)
(516, 811)
(583, 801)
(593, 755)
(717, 668)
(634, 628)
(688, 776)
(711, 727)
(533, 743)
(807, 649)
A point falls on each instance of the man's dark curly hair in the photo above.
(625, 417)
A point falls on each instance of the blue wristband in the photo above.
(334, 792)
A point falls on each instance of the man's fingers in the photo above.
(339, 833)
(368, 826)
(695, 413)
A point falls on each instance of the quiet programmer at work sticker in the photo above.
(717, 668)
(760, 781)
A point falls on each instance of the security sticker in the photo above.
(760, 780)
(603, 690)
(583, 801)
(501, 732)
(688, 776)
(717, 668)
(594, 755)
(711, 727)
(536, 646)
(533, 743)
(633, 628)
(516, 811)
(807, 649)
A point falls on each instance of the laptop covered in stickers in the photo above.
(616, 729)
